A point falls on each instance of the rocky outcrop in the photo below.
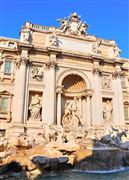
(90, 150)
(54, 164)
(99, 159)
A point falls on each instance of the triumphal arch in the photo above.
(62, 76)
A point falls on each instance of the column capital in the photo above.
(1, 54)
(51, 64)
(79, 97)
(96, 69)
(23, 59)
(89, 93)
(59, 89)
(118, 72)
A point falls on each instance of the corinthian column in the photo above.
(59, 92)
(97, 96)
(20, 86)
(49, 94)
(118, 107)
(88, 108)
(80, 106)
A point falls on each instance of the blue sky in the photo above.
(108, 19)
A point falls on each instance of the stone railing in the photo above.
(38, 27)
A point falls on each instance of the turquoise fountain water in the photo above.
(122, 174)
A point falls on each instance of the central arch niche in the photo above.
(74, 83)
(74, 86)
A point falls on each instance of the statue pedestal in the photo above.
(34, 123)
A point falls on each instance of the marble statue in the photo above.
(83, 28)
(117, 51)
(53, 40)
(96, 46)
(73, 25)
(75, 112)
(25, 35)
(53, 132)
(67, 118)
(35, 107)
(107, 111)
(71, 117)
(64, 24)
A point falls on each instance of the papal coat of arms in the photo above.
(73, 25)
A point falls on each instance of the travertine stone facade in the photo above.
(52, 75)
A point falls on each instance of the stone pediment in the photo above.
(73, 25)
(5, 93)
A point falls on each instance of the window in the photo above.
(2, 132)
(123, 82)
(4, 105)
(126, 112)
(8, 67)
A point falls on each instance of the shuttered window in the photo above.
(8, 67)
(4, 105)
(123, 82)
(126, 112)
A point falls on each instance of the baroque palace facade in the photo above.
(61, 76)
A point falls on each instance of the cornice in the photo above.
(8, 49)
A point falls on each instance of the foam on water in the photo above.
(103, 172)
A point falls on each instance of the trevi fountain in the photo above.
(64, 104)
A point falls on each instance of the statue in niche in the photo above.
(54, 40)
(107, 111)
(106, 82)
(71, 117)
(35, 107)
(37, 73)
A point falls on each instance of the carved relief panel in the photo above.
(37, 73)
(106, 82)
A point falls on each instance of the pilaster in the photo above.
(118, 107)
(97, 96)
(20, 86)
(49, 94)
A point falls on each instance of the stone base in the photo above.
(15, 130)
(99, 159)
(20, 128)
(31, 129)
(33, 132)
